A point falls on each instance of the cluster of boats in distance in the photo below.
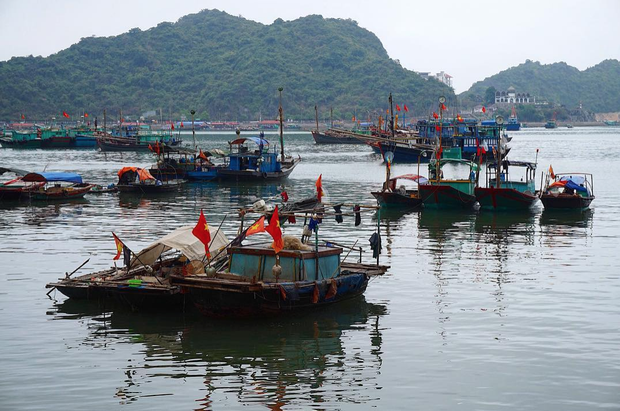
(223, 277)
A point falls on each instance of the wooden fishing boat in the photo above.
(99, 189)
(260, 164)
(57, 186)
(394, 195)
(335, 136)
(139, 180)
(15, 188)
(567, 191)
(308, 279)
(454, 192)
(144, 282)
(506, 191)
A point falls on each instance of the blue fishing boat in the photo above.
(259, 282)
(465, 135)
(513, 123)
(257, 162)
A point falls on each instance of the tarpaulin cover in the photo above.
(142, 173)
(184, 241)
(51, 177)
(257, 140)
(566, 183)
(413, 177)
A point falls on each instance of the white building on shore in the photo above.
(510, 96)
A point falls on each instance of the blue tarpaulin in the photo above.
(54, 176)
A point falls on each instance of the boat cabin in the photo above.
(256, 263)
(518, 175)
(260, 158)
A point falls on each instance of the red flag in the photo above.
(257, 227)
(353, 118)
(201, 232)
(23, 117)
(276, 233)
(551, 173)
(387, 111)
(397, 107)
(284, 195)
(119, 247)
(182, 124)
(437, 128)
(150, 147)
(459, 118)
(435, 115)
(405, 108)
(171, 126)
(319, 188)
(85, 114)
(157, 148)
(443, 106)
(484, 109)
(64, 113)
(439, 152)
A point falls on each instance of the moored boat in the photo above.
(394, 195)
(505, 191)
(144, 281)
(139, 180)
(567, 191)
(15, 188)
(457, 191)
(57, 186)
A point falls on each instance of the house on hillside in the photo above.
(511, 96)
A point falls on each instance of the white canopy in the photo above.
(183, 240)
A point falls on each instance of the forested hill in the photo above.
(597, 88)
(222, 66)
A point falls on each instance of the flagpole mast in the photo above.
(193, 130)
(281, 125)
(442, 100)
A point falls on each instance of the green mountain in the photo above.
(222, 66)
(597, 88)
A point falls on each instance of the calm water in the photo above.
(478, 311)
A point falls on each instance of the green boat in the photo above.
(453, 192)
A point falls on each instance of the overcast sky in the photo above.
(470, 40)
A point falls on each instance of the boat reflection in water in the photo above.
(506, 228)
(297, 361)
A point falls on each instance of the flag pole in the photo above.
(210, 242)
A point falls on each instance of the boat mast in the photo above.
(316, 117)
(386, 155)
(442, 100)
(104, 121)
(499, 120)
(193, 130)
(281, 126)
(331, 117)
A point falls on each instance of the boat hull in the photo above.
(503, 199)
(166, 187)
(565, 202)
(63, 194)
(215, 299)
(322, 138)
(396, 199)
(252, 175)
(445, 196)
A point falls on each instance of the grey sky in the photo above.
(470, 40)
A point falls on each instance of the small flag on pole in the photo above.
(201, 232)
(319, 188)
(64, 113)
(484, 109)
(405, 108)
(275, 231)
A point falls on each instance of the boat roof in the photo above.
(413, 177)
(514, 163)
(142, 173)
(257, 140)
(444, 161)
(53, 176)
(16, 171)
(184, 241)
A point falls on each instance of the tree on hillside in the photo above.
(489, 95)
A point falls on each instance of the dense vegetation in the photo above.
(222, 66)
(597, 88)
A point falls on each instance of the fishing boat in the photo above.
(335, 136)
(57, 186)
(513, 123)
(16, 188)
(139, 180)
(144, 281)
(456, 191)
(99, 189)
(508, 190)
(138, 142)
(395, 195)
(567, 191)
(552, 123)
(251, 164)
